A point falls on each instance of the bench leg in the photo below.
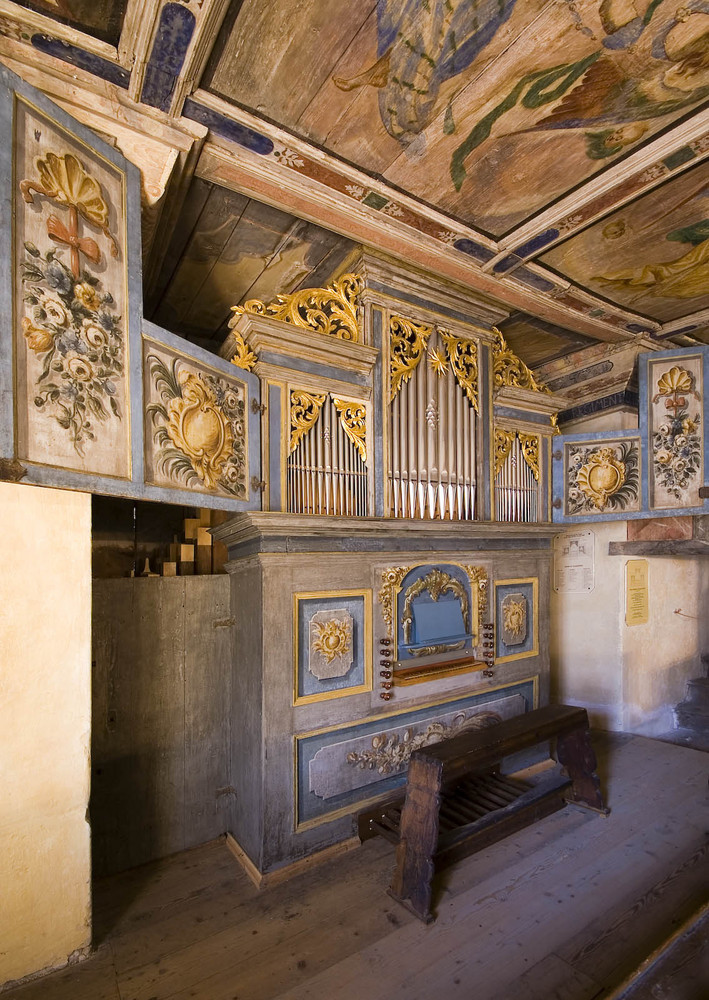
(575, 753)
(411, 883)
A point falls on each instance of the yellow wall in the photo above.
(45, 720)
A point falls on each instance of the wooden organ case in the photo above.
(393, 590)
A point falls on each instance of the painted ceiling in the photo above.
(489, 110)
(552, 155)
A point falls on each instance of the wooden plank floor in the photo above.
(564, 910)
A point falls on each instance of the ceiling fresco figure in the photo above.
(644, 68)
(421, 44)
(685, 278)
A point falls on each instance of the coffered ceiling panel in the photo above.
(651, 256)
(489, 110)
(101, 18)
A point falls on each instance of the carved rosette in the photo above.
(304, 411)
(331, 646)
(509, 370)
(331, 311)
(408, 343)
(514, 619)
(463, 356)
(353, 417)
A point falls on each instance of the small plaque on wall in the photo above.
(636, 592)
(574, 562)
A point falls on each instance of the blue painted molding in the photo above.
(416, 300)
(513, 414)
(72, 54)
(227, 129)
(626, 397)
(473, 249)
(533, 280)
(172, 40)
(537, 243)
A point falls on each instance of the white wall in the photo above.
(629, 677)
(45, 720)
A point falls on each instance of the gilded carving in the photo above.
(601, 477)
(333, 638)
(463, 356)
(391, 581)
(514, 619)
(509, 370)
(530, 451)
(304, 411)
(478, 582)
(331, 646)
(331, 311)
(408, 343)
(503, 443)
(438, 362)
(242, 357)
(198, 427)
(436, 582)
(353, 417)
(390, 753)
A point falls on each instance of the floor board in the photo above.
(563, 910)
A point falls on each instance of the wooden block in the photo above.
(205, 516)
(186, 569)
(204, 560)
(204, 538)
(169, 568)
(174, 549)
(191, 526)
(186, 553)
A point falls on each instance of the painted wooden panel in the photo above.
(673, 416)
(449, 101)
(598, 477)
(652, 255)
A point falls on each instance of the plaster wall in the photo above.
(45, 718)
(611, 420)
(629, 677)
(586, 641)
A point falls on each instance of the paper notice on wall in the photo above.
(574, 562)
(636, 592)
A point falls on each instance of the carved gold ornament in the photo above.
(530, 451)
(438, 362)
(353, 417)
(478, 581)
(304, 411)
(197, 427)
(242, 357)
(64, 180)
(463, 356)
(407, 346)
(503, 443)
(331, 311)
(391, 581)
(601, 477)
(333, 639)
(390, 753)
(509, 370)
(514, 615)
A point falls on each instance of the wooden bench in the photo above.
(457, 802)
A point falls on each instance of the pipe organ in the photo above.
(368, 622)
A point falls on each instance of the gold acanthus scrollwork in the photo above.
(503, 443)
(242, 357)
(353, 417)
(391, 583)
(389, 753)
(509, 370)
(407, 346)
(463, 356)
(530, 451)
(331, 311)
(304, 411)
